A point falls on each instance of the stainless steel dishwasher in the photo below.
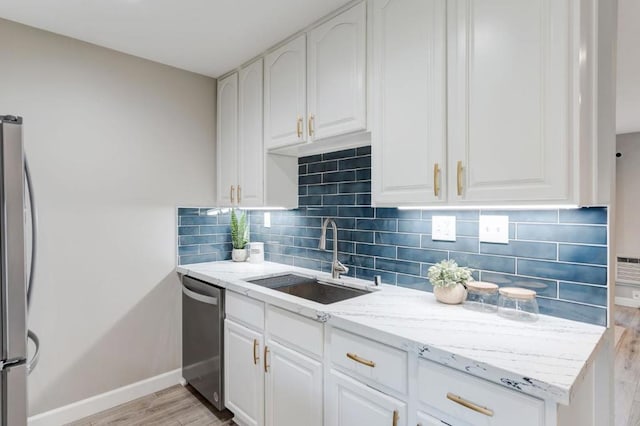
(203, 338)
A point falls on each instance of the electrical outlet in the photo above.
(267, 220)
(443, 228)
(494, 229)
(636, 294)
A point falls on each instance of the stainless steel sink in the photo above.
(309, 288)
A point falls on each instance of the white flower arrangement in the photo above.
(447, 274)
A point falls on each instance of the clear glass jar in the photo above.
(518, 304)
(481, 296)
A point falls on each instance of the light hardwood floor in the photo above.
(627, 368)
(178, 405)
(174, 406)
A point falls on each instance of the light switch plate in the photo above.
(443, 228)
(267, 220)
(494, 229)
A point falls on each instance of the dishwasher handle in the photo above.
(199, 297)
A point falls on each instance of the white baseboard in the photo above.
(628, 302)
(95, 404)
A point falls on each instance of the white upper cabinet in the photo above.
(285, 99)
(336, 75)
(250, 133)
(409, 103)
(510, 105)
(482, 102)
(247, 175)
(227, 141)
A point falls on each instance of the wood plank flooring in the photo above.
(174, 406)
(177, 405)
(627, 368)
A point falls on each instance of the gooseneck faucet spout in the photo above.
(337, 267)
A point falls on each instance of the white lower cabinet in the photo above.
(243, 376)
(350, 403)
(283, 369)
(293, 388)
(424, 419)
(459, 398)
(267, 382)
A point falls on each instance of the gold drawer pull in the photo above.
(256, 357)
(232, 193)
(470, 405)
(299, 126)
(459, 178)
(396, 417)
(266, 364)
(239, 192)
(310, 125)
(436, 180)
(356, 358)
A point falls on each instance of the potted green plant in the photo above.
(239, 237)
(449, 281)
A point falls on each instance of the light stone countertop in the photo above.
(545, 359)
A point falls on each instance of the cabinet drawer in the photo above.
(367, 358)
(295, 331)
(486, 403)
(245, 310)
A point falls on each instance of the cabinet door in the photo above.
(409, 102)
(336, 74)
(426, 420)
(285, 99)
(227, 140)
(350, 402)
(509, 110)
(250, 134)
(293, 388)
(243, 373)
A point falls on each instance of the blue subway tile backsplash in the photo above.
(561, 254)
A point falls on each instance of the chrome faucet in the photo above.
(337, 267)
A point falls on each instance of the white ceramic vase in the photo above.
(451, 295)
(239, 255)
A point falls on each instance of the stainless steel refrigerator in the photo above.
(15, 274)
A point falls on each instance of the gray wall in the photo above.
(115, 143)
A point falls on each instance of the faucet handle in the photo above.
(377, 280)
(339, 266)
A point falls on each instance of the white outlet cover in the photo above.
(494, 229)
(267, 220)
(443, 228)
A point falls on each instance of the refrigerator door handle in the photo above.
(31, 365)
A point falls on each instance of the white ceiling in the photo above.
(628, 91)
(208, 37)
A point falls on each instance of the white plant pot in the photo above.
(452, 295)
(239, 255)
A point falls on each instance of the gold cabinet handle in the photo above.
(470, 405)
(311, 124)
(256, 357)
(239, 192)
(459, 178)
(356, 358)
(266, 364)
(436, 180)
(299, 127)
(396, 417)
(232, 193)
